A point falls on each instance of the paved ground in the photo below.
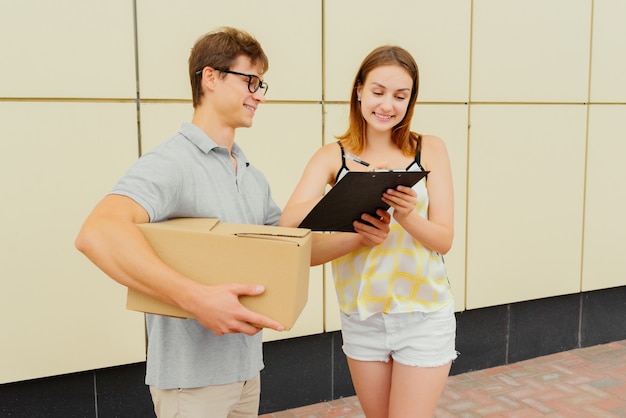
(586, 382)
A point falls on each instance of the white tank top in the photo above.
(399, 275)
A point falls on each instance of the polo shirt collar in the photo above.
(200, 139)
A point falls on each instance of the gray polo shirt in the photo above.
(189, 175)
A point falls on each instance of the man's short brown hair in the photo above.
(219, 49)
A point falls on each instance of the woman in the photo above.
(397, 309)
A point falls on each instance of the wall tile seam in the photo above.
(295, 102)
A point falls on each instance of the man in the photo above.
(208, 366)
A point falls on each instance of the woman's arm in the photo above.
(327, 247)
(436, 232)
(318, 174)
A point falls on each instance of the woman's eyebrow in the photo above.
(380, 85)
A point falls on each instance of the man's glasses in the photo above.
(254, 82)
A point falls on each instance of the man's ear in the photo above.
(209, 76)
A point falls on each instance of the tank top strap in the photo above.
(418, 152)
(343, 152)
(344, 168)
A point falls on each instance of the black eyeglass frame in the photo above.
(262, 84)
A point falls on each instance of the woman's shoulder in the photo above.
(430, 138)
(329, 152)
(432, 142)
(325, 162)
(434, 151)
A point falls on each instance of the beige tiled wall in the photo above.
(605, 203)
(525, 202)
(436, 33)
(68, 130)
(290, 32)
(59, 314)
(77, 49)
(608, 66)
(529, 97)
(530, 51)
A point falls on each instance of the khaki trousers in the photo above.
(235, 400)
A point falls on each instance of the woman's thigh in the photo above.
(415, 391)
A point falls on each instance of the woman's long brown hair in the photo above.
(401, 134)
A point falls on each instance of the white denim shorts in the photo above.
(413, 338)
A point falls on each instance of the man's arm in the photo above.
(111, 239)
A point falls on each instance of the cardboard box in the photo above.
(214, 252)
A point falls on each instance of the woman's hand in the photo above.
(403, 201)
(375, 233)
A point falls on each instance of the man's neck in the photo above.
(222, 135)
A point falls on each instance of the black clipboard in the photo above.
(356, 193)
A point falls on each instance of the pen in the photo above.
(357, 159)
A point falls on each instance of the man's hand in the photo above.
(375, 233)
(218, 309)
